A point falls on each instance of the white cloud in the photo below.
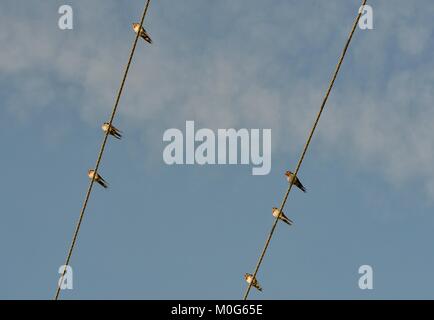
(254, 65)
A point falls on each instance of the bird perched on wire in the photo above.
(142, 32)
(281, 216)
(249, 278)
(297, 182)
(95, 176)
(112, 130)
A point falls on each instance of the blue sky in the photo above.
(191, 232)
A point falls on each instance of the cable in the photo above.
(89, 190)
(300, 161)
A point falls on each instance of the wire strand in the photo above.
(300, 161)
(98, 161)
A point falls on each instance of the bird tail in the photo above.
(302, 188)
(103, 183)
(287, 221)
(146, 38)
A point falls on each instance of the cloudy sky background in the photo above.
(188, 231)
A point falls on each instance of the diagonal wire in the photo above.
(300, 161)
(98, 161)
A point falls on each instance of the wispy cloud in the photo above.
(246, 64)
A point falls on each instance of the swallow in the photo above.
(142, 32)
(282, 216)
(255, 283)
(112, 130)
(94, 175)
(297, 182)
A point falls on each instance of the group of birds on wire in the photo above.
(111, 129)
(250, 279)
(292, 177)
(116, 133)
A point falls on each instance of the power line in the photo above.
(98, 161)
(300, 161)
